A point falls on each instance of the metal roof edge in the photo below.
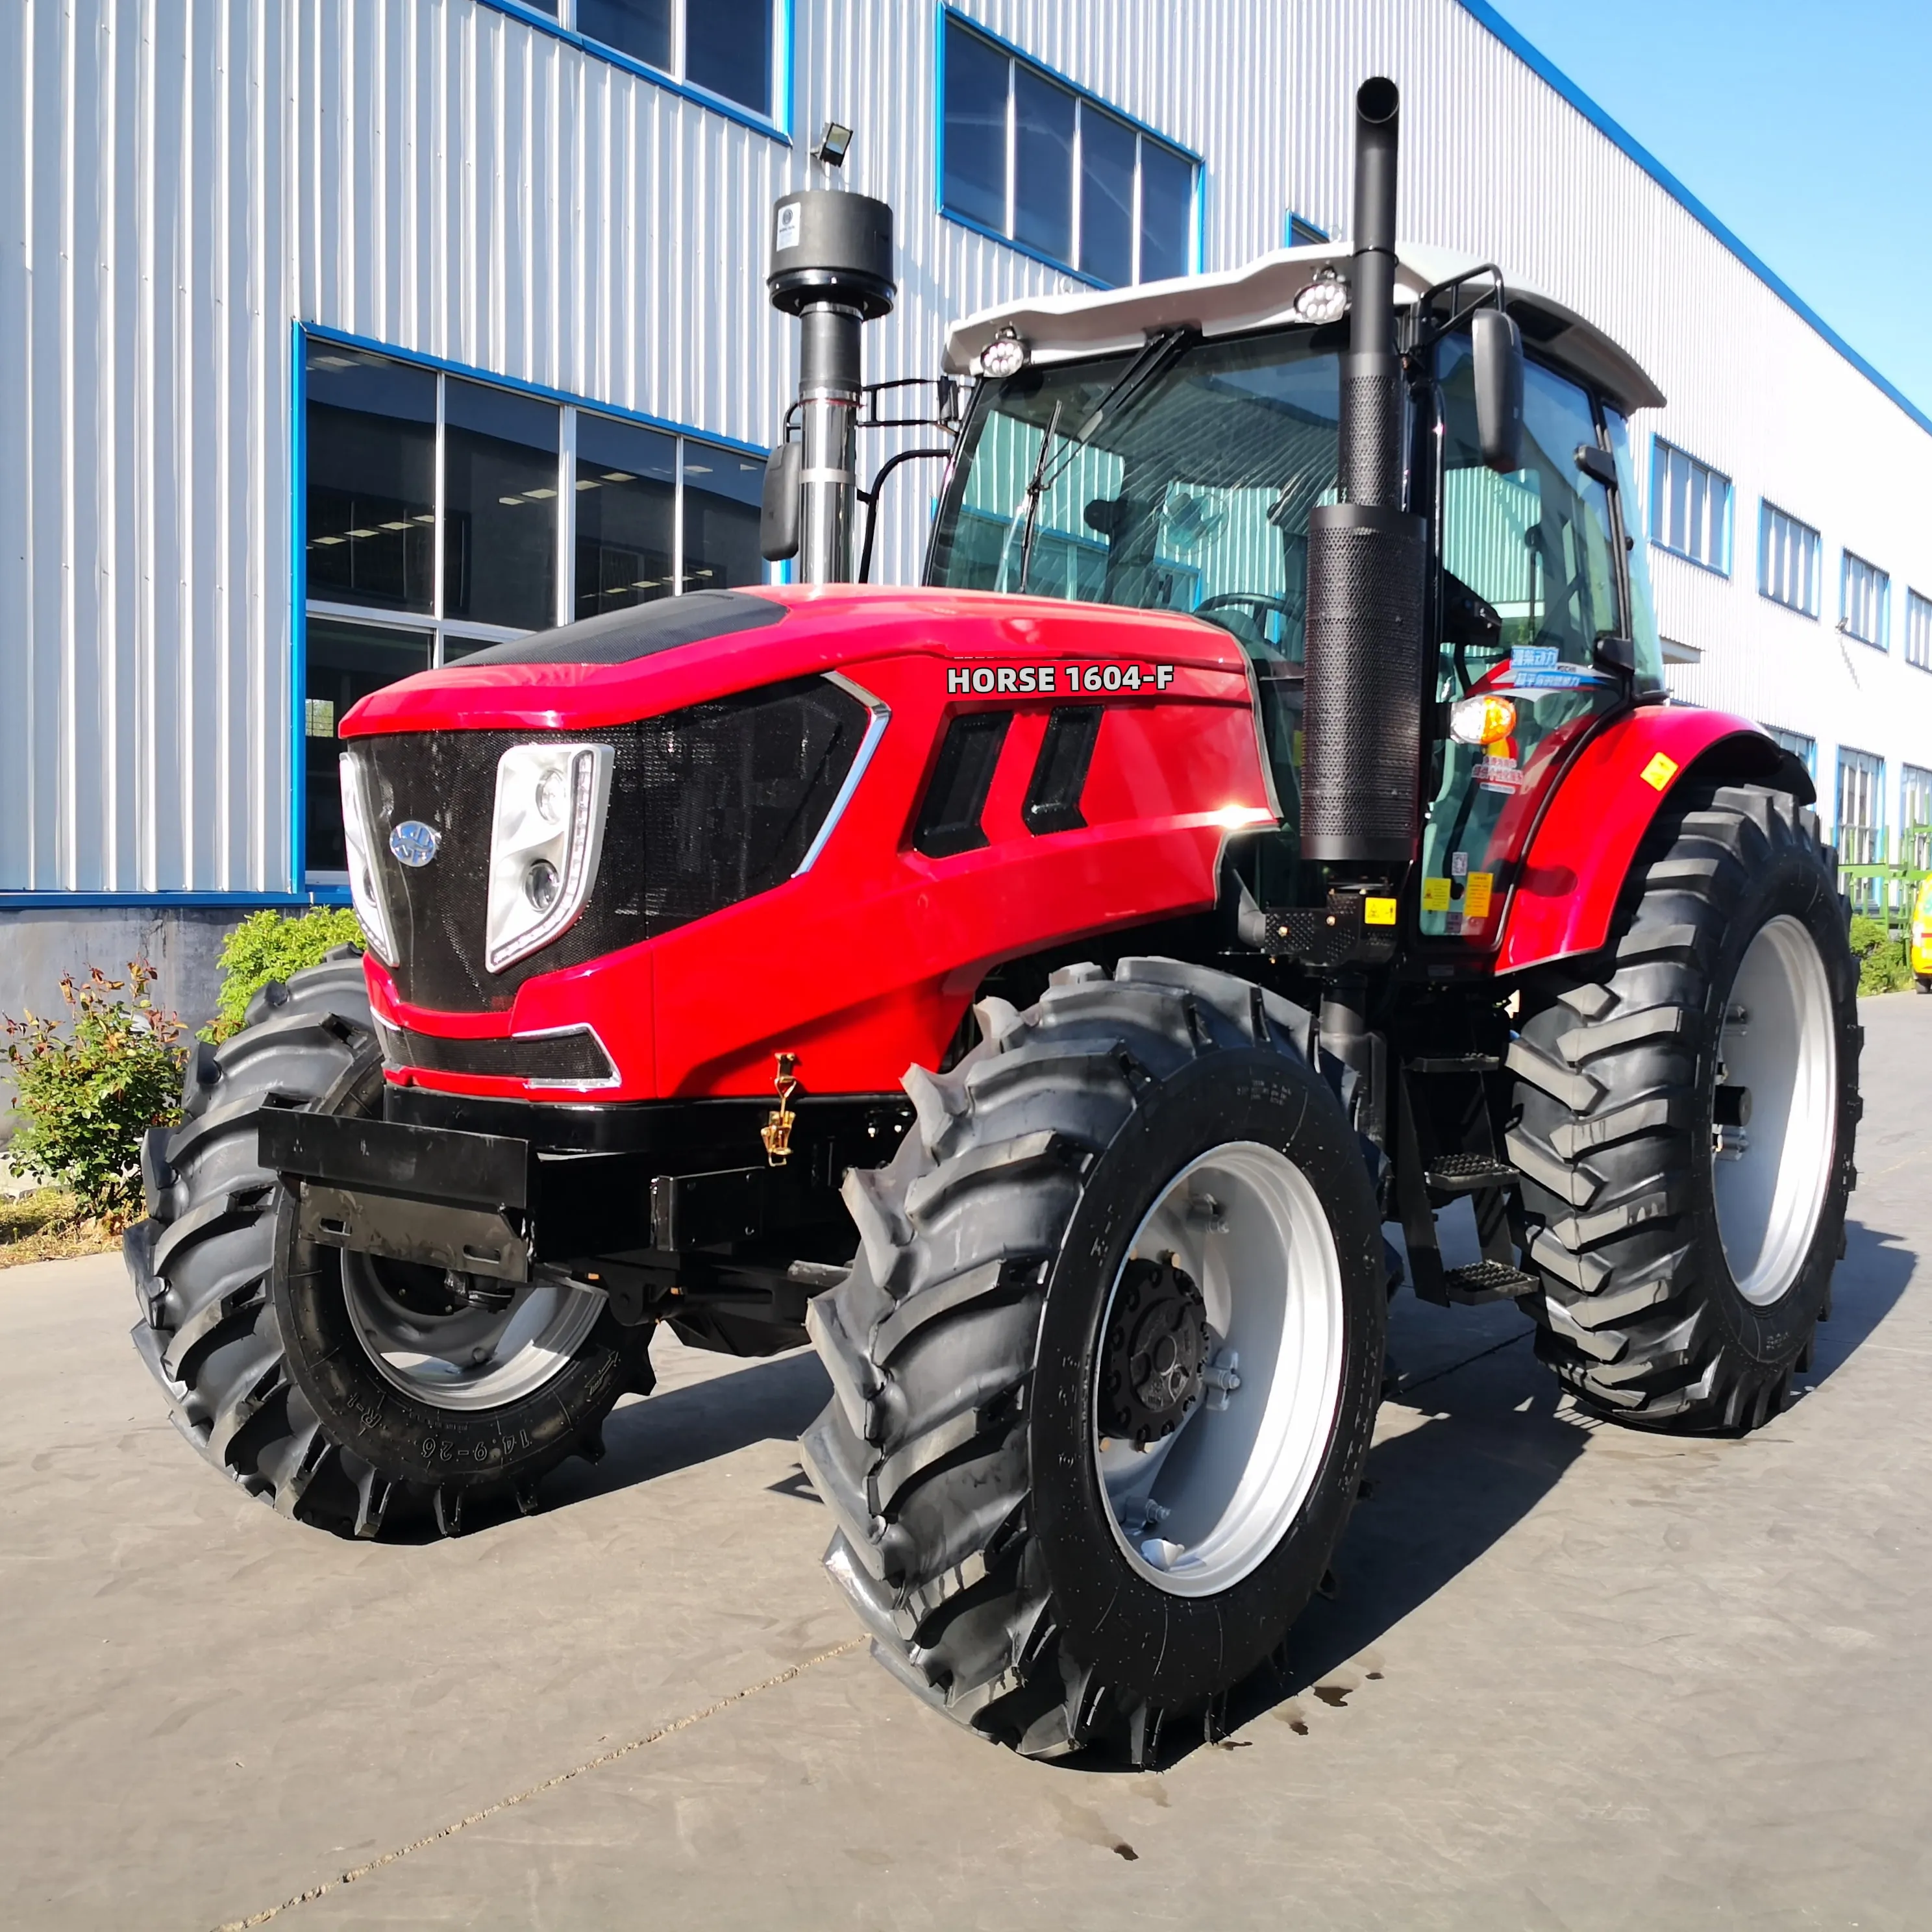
(1547, 70)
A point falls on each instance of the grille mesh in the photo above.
(1363, 724)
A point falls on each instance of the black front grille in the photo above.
(708, 806)
(576, 1057)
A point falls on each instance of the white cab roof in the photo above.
(1100, 322)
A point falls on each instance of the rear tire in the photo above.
(251, 1333)
(978, 1349)
(1681, 1290)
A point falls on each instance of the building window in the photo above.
(1787, 561)
(1801, 747)
(1861, 819)
(1297, 233)
(724, 47)
(1918, 630)
(534, 512)
(1690, 508)
(1915, 818)
(1865, 601)
(1042, 164)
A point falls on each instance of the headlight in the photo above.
(364, 887)
(546, 835)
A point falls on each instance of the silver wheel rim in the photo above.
(1769, 1175)
(478, 1357)
(1243, 1221)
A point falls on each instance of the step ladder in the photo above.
(1445, 1151)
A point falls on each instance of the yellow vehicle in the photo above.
(1921, 952)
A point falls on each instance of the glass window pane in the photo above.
(727, 48)
(1167, 212)
(639, 28)
(500, 506)
(344, 663)
(1043, 165)
(1642, 629)
(1106, 198)
(371, 462)
(626, 501)
(721, 489)
(976, 129)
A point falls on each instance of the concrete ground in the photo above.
(1575, 1677)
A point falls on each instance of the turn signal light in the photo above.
(1481, 721)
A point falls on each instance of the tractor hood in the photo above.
(1261, 295)
(655, 658)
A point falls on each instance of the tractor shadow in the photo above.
(1495, 1437)
(1877, 1269)
(696, 1422)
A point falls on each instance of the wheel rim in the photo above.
(1243, 1223)
(1769, 1174)
(469, 1358)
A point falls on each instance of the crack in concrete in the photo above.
(1406, 1383)
(602, 1758)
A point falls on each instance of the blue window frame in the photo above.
(1914, 817)
(1787, 560)
(1860, 817)
(1865, 601)
(1690, 508)
(1296, 231)
(1800, 746)
(1030, 159)
(440, 508)
(1918, 630)
(730, 55)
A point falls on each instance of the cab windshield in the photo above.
(1190, 492)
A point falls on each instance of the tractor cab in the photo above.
(1163, 448)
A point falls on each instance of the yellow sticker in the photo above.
(1659, 772)
(1378, 912)
(1476, 895)
(1295, 751)
(1435, 895)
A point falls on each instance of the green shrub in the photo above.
(269, 945)
(89, 1087)
(1882, 965)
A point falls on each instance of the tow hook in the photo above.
(776, 1133)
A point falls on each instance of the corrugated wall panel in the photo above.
(181, 181)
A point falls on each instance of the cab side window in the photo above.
(1536, 544)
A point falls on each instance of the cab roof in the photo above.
(1058, 328)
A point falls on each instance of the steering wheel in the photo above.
(1257, 601)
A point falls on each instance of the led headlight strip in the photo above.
(546, 837)
(364, 887)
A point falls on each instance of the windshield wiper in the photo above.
(1036, 488)
(1156, 353)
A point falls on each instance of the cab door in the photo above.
(1544, 548)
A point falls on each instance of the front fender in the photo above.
(1583, 849)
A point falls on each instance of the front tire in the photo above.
(1686, 1254)
(1107, 1364)
(279, 1357)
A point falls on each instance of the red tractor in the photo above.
(1041, 987)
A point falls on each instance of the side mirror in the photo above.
(1498, 346)
(779, 508)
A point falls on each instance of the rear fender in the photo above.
(1581, 851)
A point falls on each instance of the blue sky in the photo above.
(1805, 128)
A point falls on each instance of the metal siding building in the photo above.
(187, 186)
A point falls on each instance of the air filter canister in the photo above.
(1363, 722)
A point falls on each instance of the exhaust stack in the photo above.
(831, 267)
(1366, 559)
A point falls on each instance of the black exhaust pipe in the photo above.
(1362, 727)
(831, 267)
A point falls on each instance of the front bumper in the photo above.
(496, 1188)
